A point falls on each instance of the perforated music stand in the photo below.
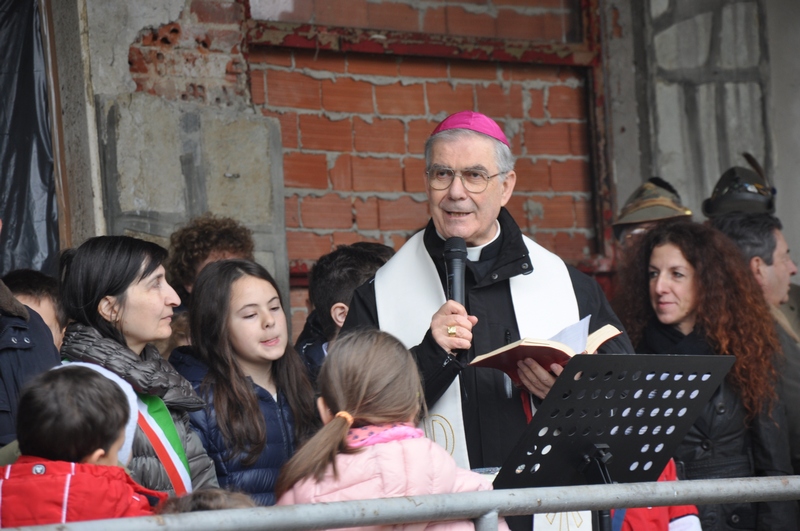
(612, 418)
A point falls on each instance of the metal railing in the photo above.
(481, 507)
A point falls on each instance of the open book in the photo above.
(544, 351)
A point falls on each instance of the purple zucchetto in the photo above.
(474, 121)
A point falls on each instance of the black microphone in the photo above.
(455, 260)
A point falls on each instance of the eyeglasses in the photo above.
(474, 180)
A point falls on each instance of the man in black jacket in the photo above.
(514, 289)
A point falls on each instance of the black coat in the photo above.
(721, 444)
(26, 349)
(258, 480)
(494, 418)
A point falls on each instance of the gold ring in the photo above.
(451, 331)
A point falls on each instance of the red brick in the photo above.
(301, 12)
(289, 89)
(347, 95)
(319, 60)
(366, 213)
(224, 40)
(258, 86)
(299, 317)
(536, 109)
(566, 102)
(168, 34)
(529, 3)
(396, 17)
(573, 247)
(346, 238)
(435, 21)
(402, 214)
(400, 99)
(494, 100)
(461, 22)
(306, 245)
(398, 240)
(423, 67)
(516, 206)
(547, 139)
(347, 13)
(546, 73)
(378, 175)
(136, 61)
(418, 133)
(473, 70)
(372, 65)
(413, 174)
(217, 12)
(327, 212)
(270, 55)
(514, 25)
(444, 97)
(380, 136)
(301, 170)
(292, 208)
(289, 129)
(298, 298)
(532, 177)
(319, 132)
(342, 173)
(559, 212)
(570, 175)
(545, 239)
(584, 214)
(554, 28)
(578, 139)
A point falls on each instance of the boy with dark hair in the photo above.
(333, 279)
(39, 292)
(70, 429)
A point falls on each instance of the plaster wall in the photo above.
(783, 17)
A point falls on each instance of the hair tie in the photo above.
(346, 416)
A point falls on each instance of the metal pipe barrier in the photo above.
(482, 507)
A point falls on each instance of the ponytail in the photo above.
(313, 458)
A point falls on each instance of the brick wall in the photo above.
(354, 124)
(354, 128)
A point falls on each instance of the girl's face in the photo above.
(256, 324)
(673, 293)
(146, 312)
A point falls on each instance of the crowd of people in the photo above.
(145, 380)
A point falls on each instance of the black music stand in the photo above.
(612, 418)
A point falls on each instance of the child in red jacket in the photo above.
(70, 427)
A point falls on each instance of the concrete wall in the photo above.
(783, 19)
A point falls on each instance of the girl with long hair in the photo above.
(259, 401)
(370, 400)
(687, 290)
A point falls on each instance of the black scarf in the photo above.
(659, 338)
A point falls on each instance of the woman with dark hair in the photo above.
(688, 291)
(260, 403)
(114, 292)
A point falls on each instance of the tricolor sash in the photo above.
(157, 425)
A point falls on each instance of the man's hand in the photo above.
(536, 379)
(451, 327)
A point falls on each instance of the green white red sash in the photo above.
(157, 425)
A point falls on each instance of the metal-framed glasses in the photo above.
(475, 180)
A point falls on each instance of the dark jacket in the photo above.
(149, 374)
(494, 417)
(789, 391)
(258, 480)
(720, 444)
(26, 349)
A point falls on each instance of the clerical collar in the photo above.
(474, 253)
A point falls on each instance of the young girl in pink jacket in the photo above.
(371, 398)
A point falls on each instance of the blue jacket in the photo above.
(258, 480)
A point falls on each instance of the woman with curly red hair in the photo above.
(688, 291)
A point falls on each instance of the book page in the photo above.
(574, 336)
